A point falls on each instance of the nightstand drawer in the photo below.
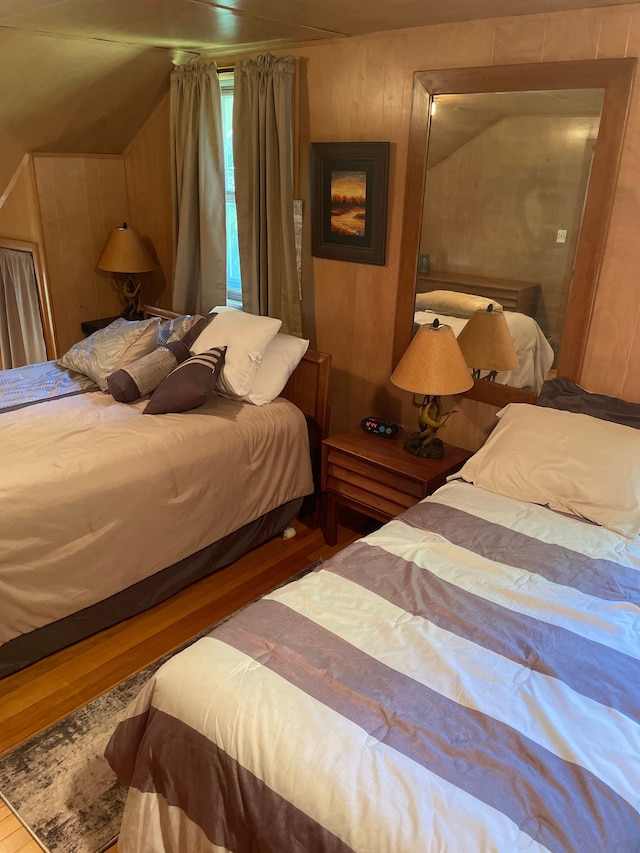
(343, 482)
(361, 467)
(376, 504)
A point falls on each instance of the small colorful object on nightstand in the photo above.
(376, 426)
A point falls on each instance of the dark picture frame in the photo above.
(349, 188)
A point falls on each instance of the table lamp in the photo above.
(126, 254)
(433, 366)
(486, 344)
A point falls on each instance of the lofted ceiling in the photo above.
(462, 117)
(83, 75)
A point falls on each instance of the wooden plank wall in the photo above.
(360, 89)
(19, 213)
(82, 198)
(147, 162)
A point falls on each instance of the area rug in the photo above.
(59, 783)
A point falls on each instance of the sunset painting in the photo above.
(348, 203)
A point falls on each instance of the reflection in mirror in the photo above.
(507, 174)
(494, 226)
(26, 333)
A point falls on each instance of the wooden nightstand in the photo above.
(91, 326)
(377, 476)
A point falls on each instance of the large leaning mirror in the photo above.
(510, 180)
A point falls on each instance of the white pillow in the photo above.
(279, 360)
(454, 304)
(246, 337)
(570, 462)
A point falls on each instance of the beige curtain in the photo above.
(263, 161)
(197, 155)
(21, 335)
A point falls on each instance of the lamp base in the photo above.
(131, 312)
(132, 294)
(416, 444)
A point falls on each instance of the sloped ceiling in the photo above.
(460, 118)
(83, 75)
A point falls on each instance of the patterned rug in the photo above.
(59, 783)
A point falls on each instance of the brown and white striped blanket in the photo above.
(466, 679)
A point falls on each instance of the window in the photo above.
(234, 287)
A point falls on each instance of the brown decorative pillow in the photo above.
(195, 330)
(145, 374)
(188, 386)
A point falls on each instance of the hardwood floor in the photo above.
(36, 697)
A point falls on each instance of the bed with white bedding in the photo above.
(467, 678)
(455, 307)
(106, 510)
(533, 349)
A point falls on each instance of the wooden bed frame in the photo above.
(521, 296)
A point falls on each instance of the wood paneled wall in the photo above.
(82, 198)
(68, 204)
(360, 90)
(147, 161)
(19, 213)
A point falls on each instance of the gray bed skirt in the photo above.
(29, 648)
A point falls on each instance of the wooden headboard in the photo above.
(521, 296)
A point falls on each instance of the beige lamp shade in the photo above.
(486, 342)
(433, 364)
(125, 252)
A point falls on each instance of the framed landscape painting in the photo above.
(349, 184)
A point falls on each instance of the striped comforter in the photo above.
(465, 679)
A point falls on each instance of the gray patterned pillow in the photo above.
(177, 328)
(145, 374)
(111, 348)
(188, 386)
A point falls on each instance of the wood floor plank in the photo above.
(40, 695)
(19, 841)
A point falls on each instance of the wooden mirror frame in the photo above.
(615, 77)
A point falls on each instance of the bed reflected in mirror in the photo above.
(507, 174)
(510, 180)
